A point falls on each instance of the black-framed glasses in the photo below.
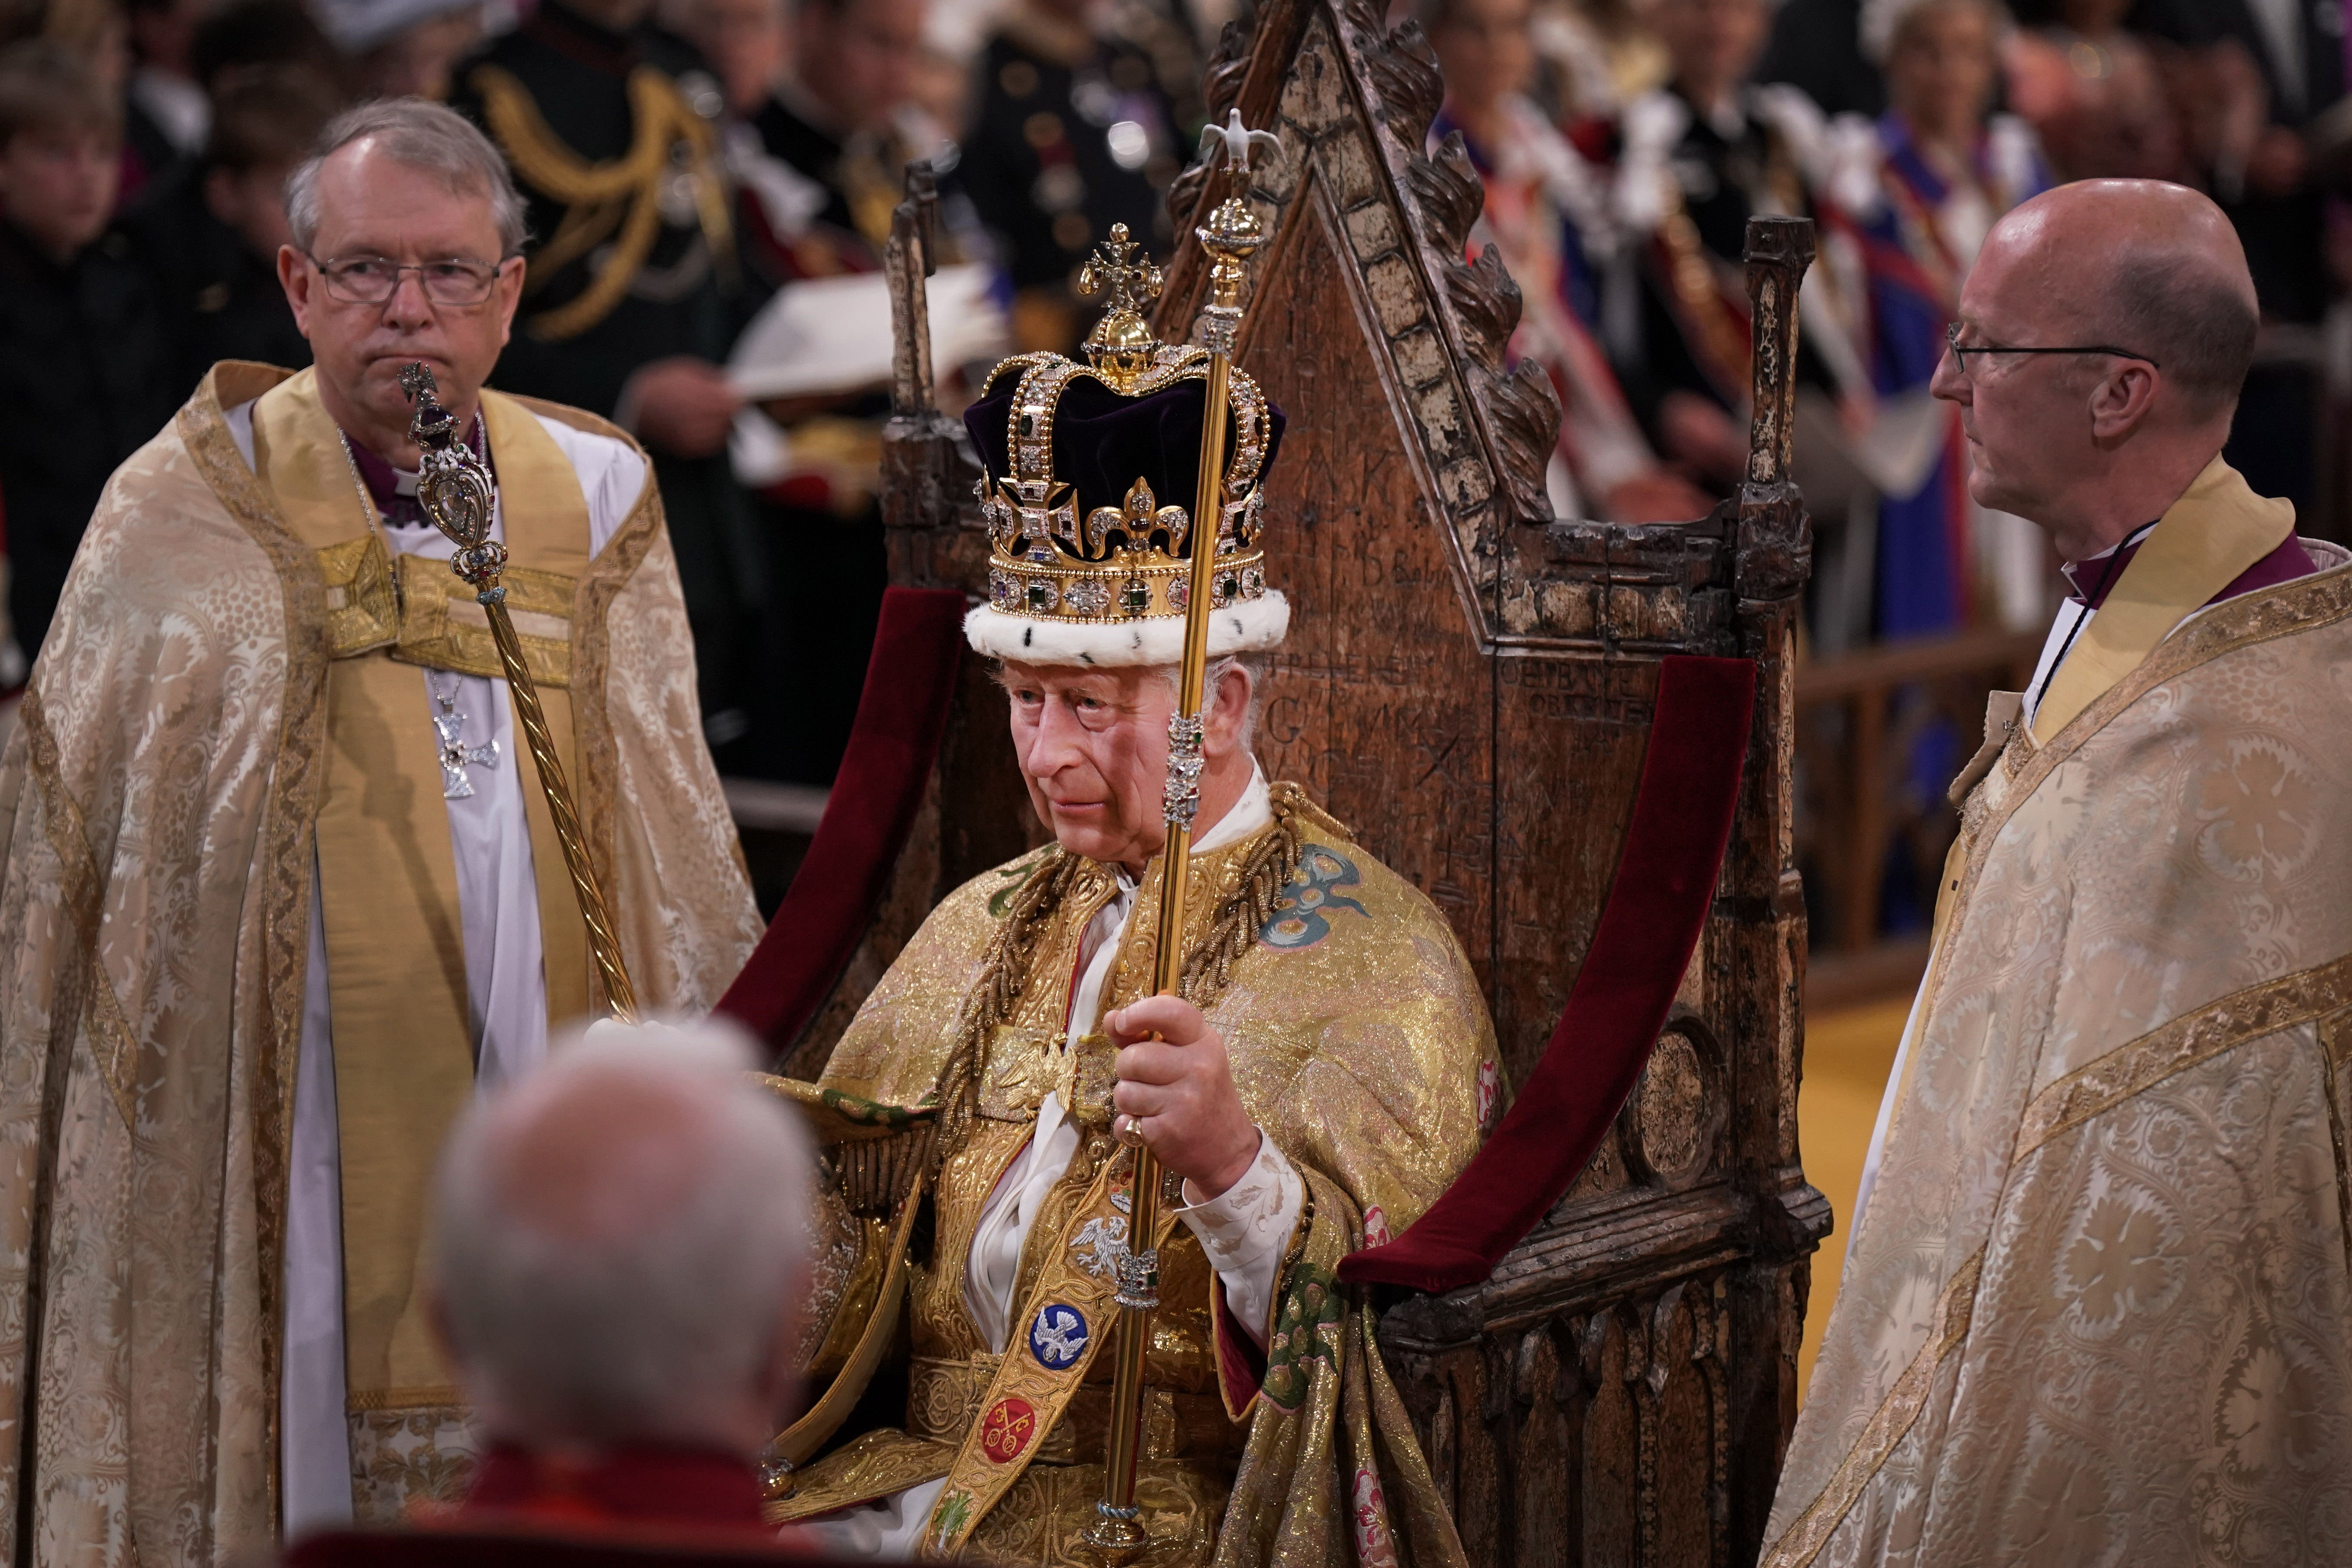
(372, 279)
(1961, 351)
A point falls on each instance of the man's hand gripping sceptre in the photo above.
(1231, 234)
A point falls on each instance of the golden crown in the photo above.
(1053, 561)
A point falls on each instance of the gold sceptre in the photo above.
(453, 486)
(1231, 235)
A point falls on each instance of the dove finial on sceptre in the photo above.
(1232, 234)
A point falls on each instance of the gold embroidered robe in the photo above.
(160, 797)
(2097, 1307)
(1358, 1038)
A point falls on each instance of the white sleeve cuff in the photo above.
(1245, 1230)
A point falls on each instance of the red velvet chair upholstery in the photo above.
(893, 746)
(1657, 903)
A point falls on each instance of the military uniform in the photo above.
(1076, 131)
(1690, 183)
(611, 141)
(862, 178)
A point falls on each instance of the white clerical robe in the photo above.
(1242, 1230)
(505, 983)
(2094, 1304)
(2067, 629)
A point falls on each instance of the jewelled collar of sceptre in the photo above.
(455, 487)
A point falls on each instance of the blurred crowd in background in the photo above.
(691, 163)
(1624, 144)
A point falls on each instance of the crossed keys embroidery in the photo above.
(1101, 1247)
(450, 726)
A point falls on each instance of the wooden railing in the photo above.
(1859, 716)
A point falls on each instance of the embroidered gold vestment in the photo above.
(1358, 1035)
(172, 781)
(2097, 1306)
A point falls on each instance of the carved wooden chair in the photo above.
(1471, 685)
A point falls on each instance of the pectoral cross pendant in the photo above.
(449, 725)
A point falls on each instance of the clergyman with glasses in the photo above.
(278, 890)
(2097, 1302)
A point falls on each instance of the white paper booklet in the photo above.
(832, 334)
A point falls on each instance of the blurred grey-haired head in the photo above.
(621, 1245)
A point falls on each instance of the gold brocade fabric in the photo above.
(158, 799)
(402, 1017)
(2098, 1309)
(2216, 529)
(425, 615)
(444, 626)
(1357, 1032)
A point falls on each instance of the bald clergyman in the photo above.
(2096, 1306)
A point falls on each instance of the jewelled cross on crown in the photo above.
(1121, 347)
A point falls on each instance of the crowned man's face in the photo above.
(372, 205)
(1093, 745)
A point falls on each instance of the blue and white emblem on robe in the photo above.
(1058, 1337)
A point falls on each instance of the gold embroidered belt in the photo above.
(425, 615)
(943, 1400)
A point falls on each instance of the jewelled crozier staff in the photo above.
(453, 486)
(1231, 235)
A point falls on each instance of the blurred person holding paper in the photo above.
(634, 289)
(820, 122)
(1086, 114)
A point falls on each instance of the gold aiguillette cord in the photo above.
(1230, 237)
(453, 486)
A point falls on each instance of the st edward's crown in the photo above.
(1090, 475)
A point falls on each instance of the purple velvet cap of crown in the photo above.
(1103, 442)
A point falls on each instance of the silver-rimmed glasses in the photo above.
(372, 279)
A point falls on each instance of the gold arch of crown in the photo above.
(1115, 562)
